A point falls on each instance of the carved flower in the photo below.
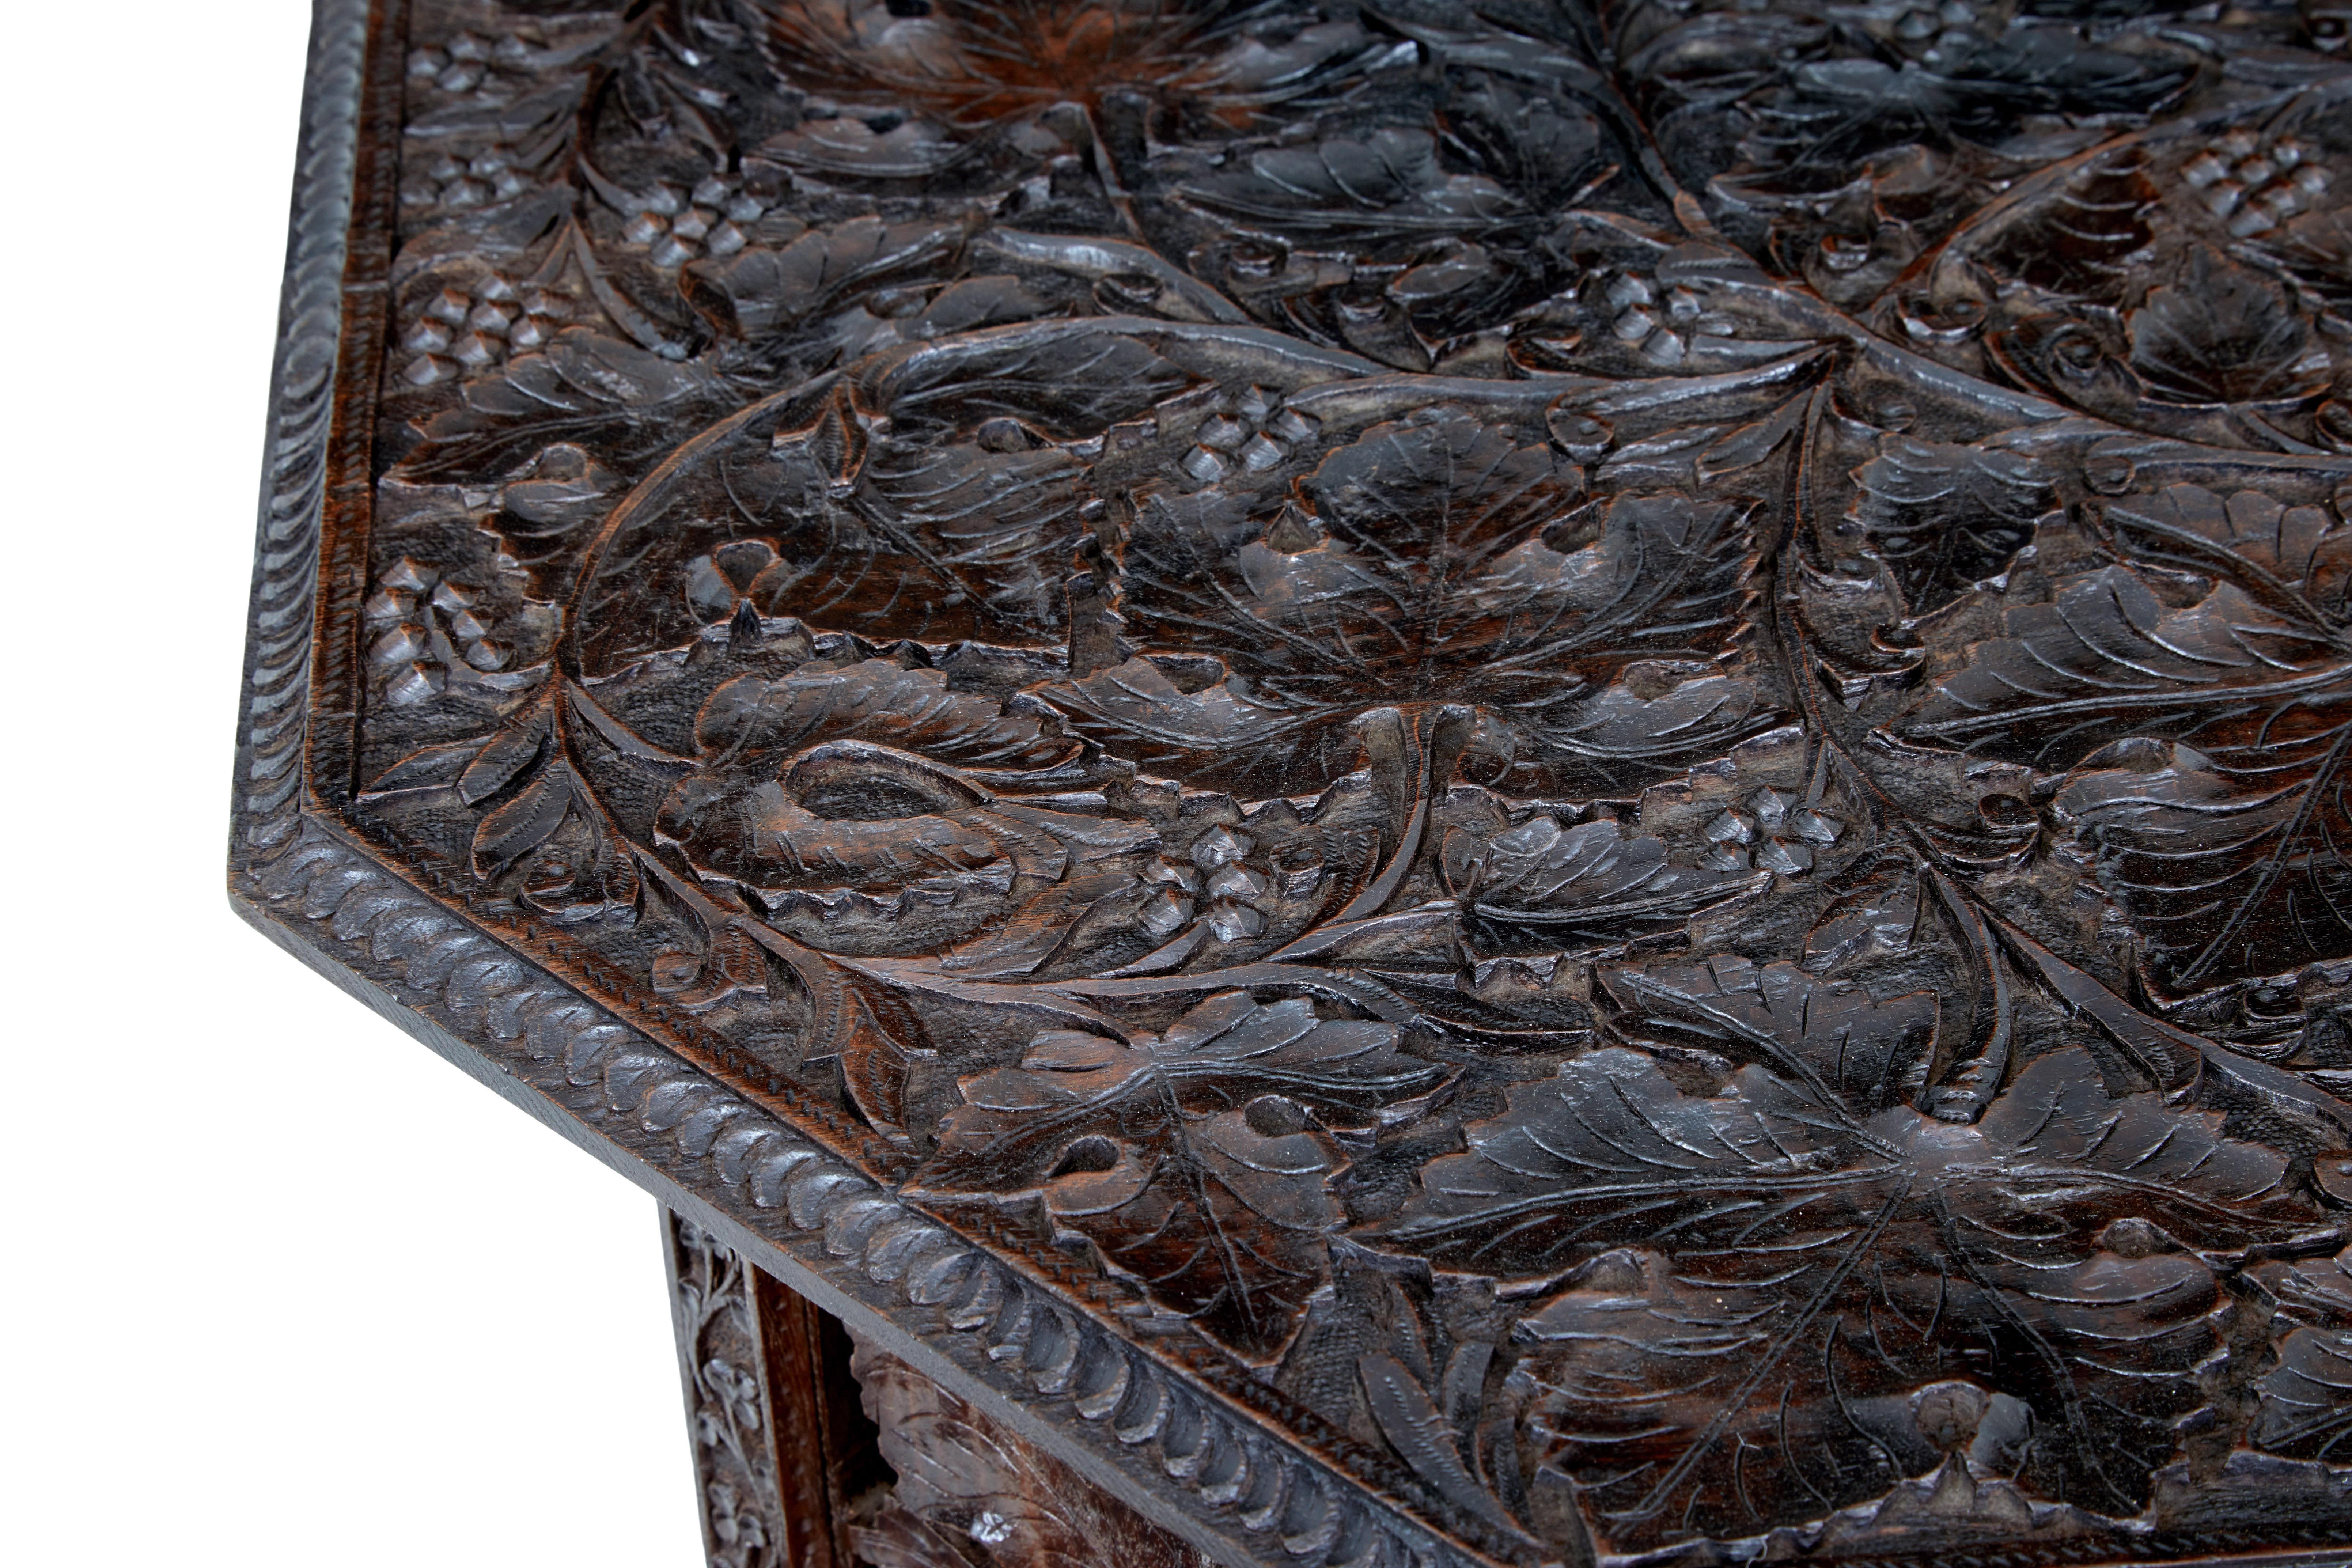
(1253, 433)
(735, 1391)
(741, 1533)
(1213, 883)
(1771, 831)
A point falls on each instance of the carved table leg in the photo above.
(794, 1473)
(783, 1453)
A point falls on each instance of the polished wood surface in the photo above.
(1512, 781)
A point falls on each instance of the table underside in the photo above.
(1415, 784)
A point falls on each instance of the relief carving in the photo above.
(1607, 744)
(729, 1402)
(969, 1493)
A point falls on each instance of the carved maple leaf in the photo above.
(1907, 119)
(1195, 1160)
(1434, 561)
(935, 491)
(1839, 111)
(1828, 1267)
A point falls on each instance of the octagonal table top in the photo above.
(1510, 782)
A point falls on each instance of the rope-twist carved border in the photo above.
(303, 384)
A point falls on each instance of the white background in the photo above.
(280, 1286)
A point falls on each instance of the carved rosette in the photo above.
(1599, 755)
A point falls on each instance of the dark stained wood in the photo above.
(1418, 783)
(970, 1492)
(814, 1449)
(787, 1458)
(836, 1470)
(763, 1493)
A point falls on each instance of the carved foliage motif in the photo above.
(1610, 742)
(727, 1397)
(970, 1494)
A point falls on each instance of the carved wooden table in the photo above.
(1358, 784)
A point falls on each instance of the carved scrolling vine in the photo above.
(1612, 741)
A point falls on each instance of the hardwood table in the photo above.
(1366, 786)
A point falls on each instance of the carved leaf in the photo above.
(1194, 1159)
(2220, 334)
(1546, 151)
(2306, 1400)
(1387, 185)
(1065, 380)
(1831, 1267)
(1844, 110)
(2234, 862)
(2297, 558)
(852, 147)
(2102, 209)
(2107, 657)
(1225, 1225)
(859, 849)
(874, 701)
(1594, 881)
(584, 388)
(994, 532)
(1844, 1046)
(524, 823)
(563, 495)
(2305, 1407)
(758, 292)
(1409, 1418)
(1947, 517)
(1881, 916)
(1439, 563)
(2224, 845)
